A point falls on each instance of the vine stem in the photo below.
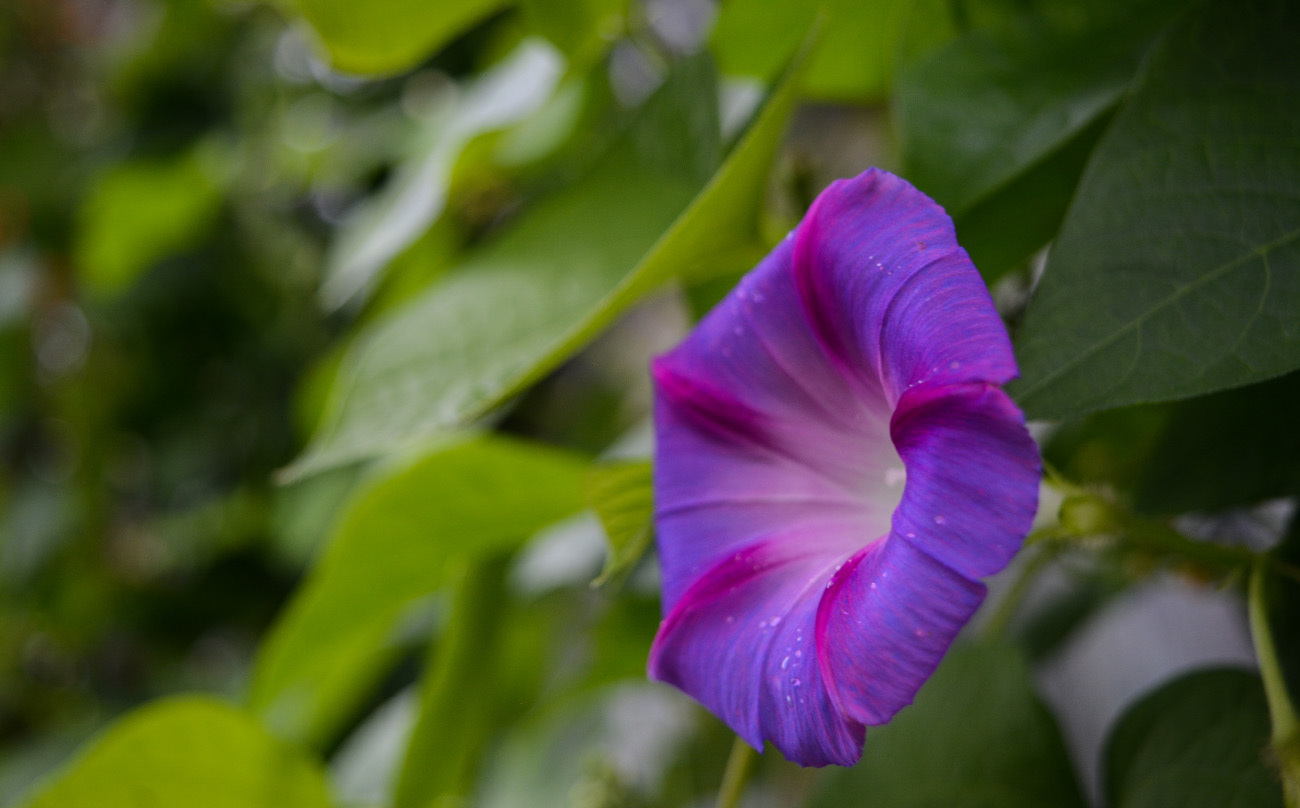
(1286, 726)
(739, 765)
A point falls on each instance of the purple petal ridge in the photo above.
(836, 467)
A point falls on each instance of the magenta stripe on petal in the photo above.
(835, 468)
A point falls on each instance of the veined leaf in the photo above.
(1177, 270)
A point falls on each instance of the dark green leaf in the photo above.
(1232, 448)
(1210, 453)
(998, 124)
(1197, 742)
(522, 305)
(399, 540)
(622, 495)
(186, 751)
(389, 36)
(1177, 271)
(976, 736)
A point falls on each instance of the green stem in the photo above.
(997, 623)
(451, 727)
(739, 765)
(1286, 726)
(1086, 514)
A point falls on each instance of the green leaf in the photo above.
(1197, 742)
(583, 29)
(976, 736)
(1232, 448)
(389, 36)
(1210, 453)
(854, 61)
(188, 751)
(998, 124)
(622, 495)
(141, 211)
(523, 304)
(400, 539)
(1177, 271)
(389, 222)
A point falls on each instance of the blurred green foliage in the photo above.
(323, 333)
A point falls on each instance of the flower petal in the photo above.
(722, 486)
(887, 618)
(972, 476)
(756, 426)
(891, 294)
(741, 642)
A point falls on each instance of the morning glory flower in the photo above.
(836, 468)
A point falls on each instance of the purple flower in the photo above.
(836, 468)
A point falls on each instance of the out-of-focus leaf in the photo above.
(1197, 742)
(976, 736)
(390, 36)
(141, 211)
(1226, 449)
(392, 220)
(523, 304)
(1177, 270)
(622, 495)
(998, 124)
(1210, 453)
(398, 541)
(854, 61)
(580, 28)
(187, 751)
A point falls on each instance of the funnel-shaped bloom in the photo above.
(836, 468)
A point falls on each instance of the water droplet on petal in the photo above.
(776, 620)
(939, 520)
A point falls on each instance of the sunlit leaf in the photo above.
(389, 36)
(541, 291)
(1177, 270)
(580, 28)
(622, 495)
(854, 61)
(187, 751)
(399, 540)
(976, 736)
(1197, 742)
(141, 211)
